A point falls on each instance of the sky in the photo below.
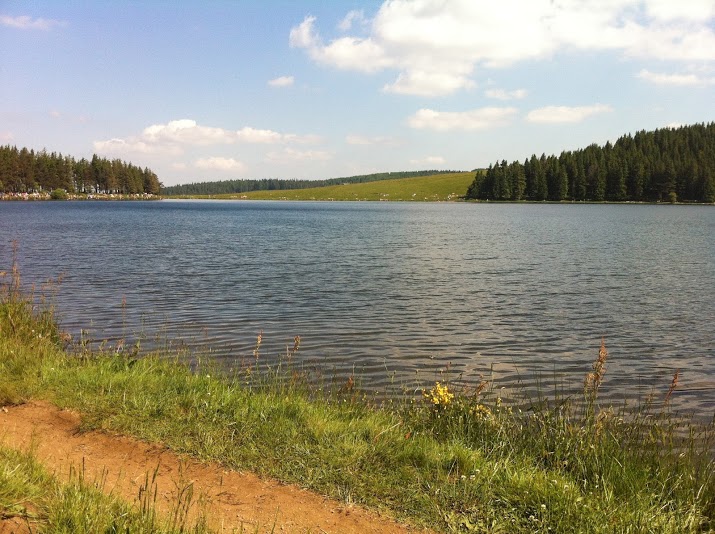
(209, 90)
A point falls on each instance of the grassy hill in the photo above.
(226, 187)
(439, 187)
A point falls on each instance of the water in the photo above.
(399, 292)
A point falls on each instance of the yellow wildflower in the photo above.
(439, 396)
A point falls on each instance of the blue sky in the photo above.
(203, 91)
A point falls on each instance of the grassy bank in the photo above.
(439, 187)
(452, 460)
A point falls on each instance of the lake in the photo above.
(399, 293)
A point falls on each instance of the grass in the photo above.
(439, 187)
(453, 460)
(37, 499)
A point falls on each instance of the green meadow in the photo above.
(439, 187)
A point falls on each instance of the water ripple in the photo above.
(396, 292)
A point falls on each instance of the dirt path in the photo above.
(231, 499)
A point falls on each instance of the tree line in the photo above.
(270, 184)
(27, 171)
(669, 164)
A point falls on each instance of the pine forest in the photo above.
(665, 165)
(27, 171)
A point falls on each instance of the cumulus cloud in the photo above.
(501, 94)
(560, 114)
(24, 22)
(133, 146)
(476, 119)
(303, 35)
(354, 16)
(219, 164)
(291, 155)
(694, 10)
(282, 81)
(253, 135)
(347, 53)
(435, 46)
(660, 78)
(429, 83)
(174, 136)
(187, 131)
(352, 53)
(673, 44)
(429, 160)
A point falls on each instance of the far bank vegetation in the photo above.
(665, 165)
(24, 171)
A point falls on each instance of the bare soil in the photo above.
(15, 525)
(230, 500)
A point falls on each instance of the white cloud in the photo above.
(436, 46)
(219, 164)
(686, 10)
(174, 136)
(55, 114)
(282, 81)
(354, 16)
(501, 94)
(429, 160)
(187, 131)
(371, 141)
(133, 146)
(659, 78)
(559, 114)
(24, 22)
(476, 119)
(352, 53)
(179, 166)
(253, 135)
(291, 155)
(429, 83)
(348, 53)
(690, 43)
(303, 35)
(6, 137)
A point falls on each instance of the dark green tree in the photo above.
(648, 166)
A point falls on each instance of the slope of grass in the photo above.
(439, 187)
(453, 460)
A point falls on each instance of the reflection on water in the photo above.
(385, 288)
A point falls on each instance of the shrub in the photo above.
(58, 194)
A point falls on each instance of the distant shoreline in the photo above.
(103, 197)
(453, 200)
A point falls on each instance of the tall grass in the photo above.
(455, 459)
(31, 496)
(28, 332)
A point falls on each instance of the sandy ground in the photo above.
(231, 500)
